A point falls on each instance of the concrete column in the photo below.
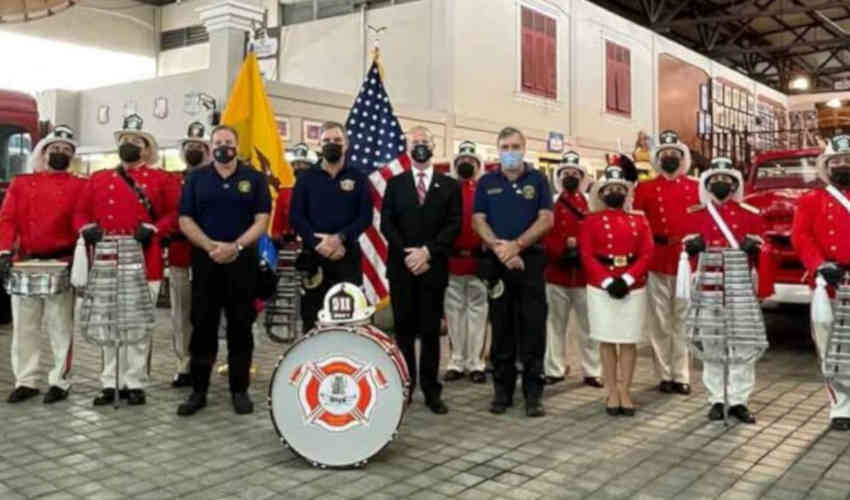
(227, 22)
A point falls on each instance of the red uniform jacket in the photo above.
(38, 212)
(463, 261)
(665, 203)
(108, 201)
(567, 227)
(280, 220)
(179, 249)
(613, 243)
(821, 231)
(742, 220)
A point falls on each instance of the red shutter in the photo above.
(551, 59)
(527, 50)
(626, 83)
(610, 77)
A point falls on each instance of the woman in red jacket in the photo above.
(616, 248)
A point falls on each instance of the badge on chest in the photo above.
(244, 187)
(346, 185)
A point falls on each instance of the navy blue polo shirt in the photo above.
(225, 208)
(512, 207)
(330, 205)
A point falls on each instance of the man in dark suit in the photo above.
(420, 218)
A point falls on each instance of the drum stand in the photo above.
(724, 320)
(117, 308)
(283, 311)
(836, 360)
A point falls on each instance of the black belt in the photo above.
(617, 260)
(51, 256)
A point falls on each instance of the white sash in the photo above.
(712, 210)
(839, 196)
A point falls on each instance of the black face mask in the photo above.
(129, 153)
(421, 153)
(59, 161)
(332, 152)
(465, 170)
(570, 183)
(720, 190)
(194, 157)
(224, 154)
(670, 164)
(840, 176)
(614, 200)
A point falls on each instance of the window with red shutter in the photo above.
(539, 54)
(618, 79)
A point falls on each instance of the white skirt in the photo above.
(617, 321)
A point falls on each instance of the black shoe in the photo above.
(107, 397)
(438, 407)
(22, 393)
(136, 397)
(452, 375)
(182, 380)
(478, 377)
(627, 412)
(742, 413)
(534, 410)
(613, 411)
(840, 424)
(716, 412)
(549, 380)
(124, 393)
(594, 382)
(681, 388)
(193, 403)
(666, 386)
(242, 403)
(500, 407)
(55, 394)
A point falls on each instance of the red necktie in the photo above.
(420, 188)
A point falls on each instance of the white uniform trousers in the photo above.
(180, 291)
(134, 366)
(466, 319)
(742, 379)
(561, 301)
(666, 329)
(27, 314)
(839, 394)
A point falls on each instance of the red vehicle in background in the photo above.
(774, 183)
(19, 133)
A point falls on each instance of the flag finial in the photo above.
(376, 49)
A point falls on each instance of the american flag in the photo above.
(376, 147)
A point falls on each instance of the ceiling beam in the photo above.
(805, 25)
(777, 11)
(822, 45)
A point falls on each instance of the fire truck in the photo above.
(19, 132)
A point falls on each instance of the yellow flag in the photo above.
(250, 113)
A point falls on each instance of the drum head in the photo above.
(337, 397)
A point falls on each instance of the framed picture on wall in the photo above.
(736, 99)
(283, 127)
(751, 104)
(717, 90)
(727, 96)
(703, 98)
(708, 124)
(700, 123)
(312, 131)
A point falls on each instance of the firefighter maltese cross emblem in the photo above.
(337, 393)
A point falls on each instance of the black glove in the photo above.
(695, 245)
(618, 288)
(569, 258)
(92, 234)
(751, 246)
(307, 261)
(490, 269)
(144, 235)
(831, 273)
(5, 266)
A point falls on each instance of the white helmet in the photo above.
(345, 303)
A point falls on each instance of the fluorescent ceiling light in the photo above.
(799, 83)
(834, 103)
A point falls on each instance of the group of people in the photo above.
(471, 247)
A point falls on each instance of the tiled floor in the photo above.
(72, 450)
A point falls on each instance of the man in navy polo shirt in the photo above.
(224, 209)
(513, 211)
(330, 209)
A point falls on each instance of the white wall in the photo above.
(801, 102)
(127, 30)
(184, 59)
(185, 13)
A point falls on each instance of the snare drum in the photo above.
(338, 395)
(38, 278)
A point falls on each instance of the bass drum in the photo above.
(338, 395)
